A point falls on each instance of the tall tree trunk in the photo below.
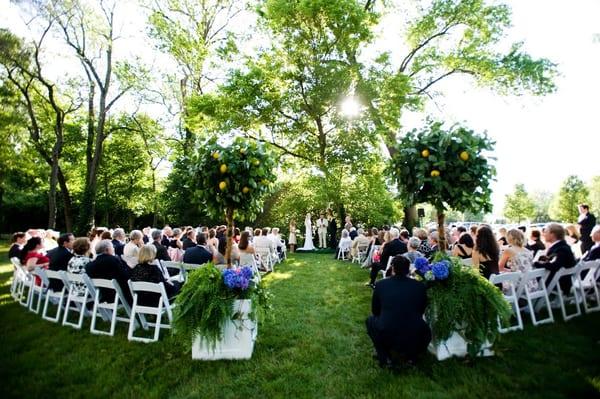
(441, 231)
(154, 203)
(229, 217)
(130, 219)
(52, 191)
(67, 204)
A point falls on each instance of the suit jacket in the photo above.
(165, 241)
(391, 249)
(197, 255)
(118, 246)
(559, 255)
(538, 245)
(14, 251)
(585, 228)
(161, 251)
(593, 254)
(109, 267)
(187, 243)
(353, 235)
(59, 259)
(399, 303)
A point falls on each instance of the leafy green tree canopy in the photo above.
(519, 206)
(572, 193)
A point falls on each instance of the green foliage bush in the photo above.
(468, 303)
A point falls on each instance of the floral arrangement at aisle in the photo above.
(461, 300)
(207, 302)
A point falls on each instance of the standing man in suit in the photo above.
(332, 229)
(586, 222)
(558, 255)
(397, 323)
(322, 227)
(390, 249)
(594, 252)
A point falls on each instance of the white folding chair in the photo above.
(588, 285)
(283, 250)
(265, 258)
(187, 267)
(56, 297)
(138, 310)
(467, 261)
(26, 282)
(387, 267)
(106, 310)
(361, 254)
(17, 278)
(38, 290)
(510, 283)
(573, 296)
(343, 250)
(535, 293)
(76, 301)
(166, 264)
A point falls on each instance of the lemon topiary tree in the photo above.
(447, 168)
(232, 180)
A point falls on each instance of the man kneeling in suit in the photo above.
(397, 323)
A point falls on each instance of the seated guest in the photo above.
(276, 239)
(131, 249)
(17, 241)
(61, 255)
(50, 240)
(198, 254)
(176, 239)
(502, 241)
(107, 266)
(345, 242)
(149, 272)
(31, 254)
(190, 239)
(212, 241)
(95, 237)
(167, 235)
(594, 252)
(106, 235)
(515, 258)
(146, 234)
(413, 254)
(558, 255)
(237, 234)
(486, 252)
(464, 247)
(246, 250)
(473, 231)
(361, 241)
(404, 236)
(80, 259)
(161, 250)
(262, 241)
(397, 323)
(390, 249)
(572, 238)
(353, 233)
(422, 235)
(118, 241)
(434, 239)
(536, 243)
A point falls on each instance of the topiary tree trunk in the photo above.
(441, 219)
(230, 227)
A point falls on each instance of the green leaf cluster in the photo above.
(467, 303)
(205, 303)
(233, 177)
(519, 206)
(428, 166)
(572, 193)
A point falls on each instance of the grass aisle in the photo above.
(316, 346)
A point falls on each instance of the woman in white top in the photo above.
(516, 258)
(132, 248)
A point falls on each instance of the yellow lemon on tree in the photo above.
(464, 156)
(223, 185)
(242, 151)
(425, 153)
(223, 168)
(256, 162)
(245, 190)
(435, 173)
(215, 155)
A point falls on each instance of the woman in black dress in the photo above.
(486, 252)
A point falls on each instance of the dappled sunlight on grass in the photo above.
(278, 276)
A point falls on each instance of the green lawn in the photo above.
(315, 346)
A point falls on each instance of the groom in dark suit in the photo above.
(558, 255)
(397, 324)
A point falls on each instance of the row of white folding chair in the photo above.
(77, 302)
(344, 250)
(265, 257)
(510, 282)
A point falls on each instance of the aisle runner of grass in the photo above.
(314, 347)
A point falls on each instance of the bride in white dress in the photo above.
(308, 241)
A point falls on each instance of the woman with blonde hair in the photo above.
(148, 271)
(516, 258)
(573, 239)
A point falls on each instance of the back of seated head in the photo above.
(17, 236)
(461, 229)
(118, 234)
(190, 233)
(360, 231)
(400, 265)
(156, 234)
(265, 231)
(275, 230)
(257, 232)
(557, 230)
(421, 234)
(394, 233)
(201, 239)
(414, 242)
(535, 234)
(147, 254)
(405, 234)
(345, 233)
(81, 245)
(64, 238)
(106, 235)
(103, 247)
(466, 240)
(434, 236)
